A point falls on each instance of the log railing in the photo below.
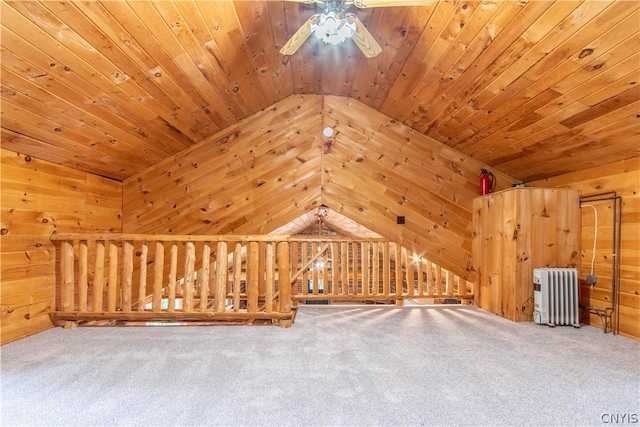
(182, 278)
(369, 270)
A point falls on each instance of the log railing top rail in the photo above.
(207, 238)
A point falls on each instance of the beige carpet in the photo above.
(337, 365)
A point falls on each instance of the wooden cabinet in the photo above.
(515, 231)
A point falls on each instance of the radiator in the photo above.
(555, 296)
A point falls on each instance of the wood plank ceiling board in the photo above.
(534, 89)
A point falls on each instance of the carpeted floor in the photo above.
(337, 365)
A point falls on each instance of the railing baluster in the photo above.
(409, 264)
(420, 278)
(158, 271)
(364, 251)
(316, 273)
(295, 263)
(344, 268)
(269, 285)
(386, 269)
(189, 268)
(335, 275)
(253, 269)
(112, 291)
(261, 269)
(284, 280)
(173, 273)
(221, 277)
(324, 271)
(127, 274)
(83, 284)
(305, 275)
(68, 280)
(142, 286)
(205, 276)
(449, 282)
(429, 278)
(398, 266)
(355, 250)
(375, 267)
(237, 276)
(98, 277)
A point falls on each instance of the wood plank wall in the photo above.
(623, 178)
(251, 178)
(39, 198)
(376, 169)
(515, 231)
(275, 166)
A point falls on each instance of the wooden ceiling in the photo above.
(532, 88)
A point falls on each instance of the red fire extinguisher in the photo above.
(487, 182)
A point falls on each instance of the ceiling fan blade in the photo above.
(390, 3)
(300, 36)
(363, 38)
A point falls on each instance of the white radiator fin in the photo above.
(556, 296)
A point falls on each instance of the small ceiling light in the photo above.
(322, 212)
(327, 132)
(333, 28)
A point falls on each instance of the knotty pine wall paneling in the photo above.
(515, 231)
(276, 166)
(251, 178)
(623, 178)
(37, 199)
(377, 169)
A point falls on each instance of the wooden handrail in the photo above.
(205, 238)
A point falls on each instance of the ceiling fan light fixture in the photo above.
(332, 28)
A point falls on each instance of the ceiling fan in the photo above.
(334, 25)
